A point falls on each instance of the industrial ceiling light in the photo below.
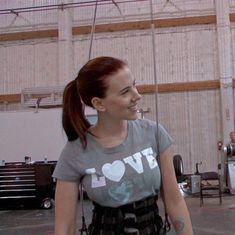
(43, 97)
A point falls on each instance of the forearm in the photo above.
(64, 226)
(66, 208)
(174, 201)
(60, 229)
(180, 218)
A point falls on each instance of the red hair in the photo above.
(90, 82)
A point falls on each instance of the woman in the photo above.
(115, 159)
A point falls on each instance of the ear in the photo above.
(98, 104)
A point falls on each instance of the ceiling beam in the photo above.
(113, 27)
(149, 89)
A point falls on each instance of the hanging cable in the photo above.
(94, 21)
(171, 3)
(167, 224)
(154, 61)
(61, 6)
(115, 4)
(92, 30)
(83, 229)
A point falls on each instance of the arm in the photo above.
(66, 198)
(174, 201)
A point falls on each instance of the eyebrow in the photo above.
(126, 88)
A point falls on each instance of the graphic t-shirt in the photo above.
(119, 175)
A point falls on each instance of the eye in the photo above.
(125, 91)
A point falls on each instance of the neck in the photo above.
(110, 134)
(107, 128)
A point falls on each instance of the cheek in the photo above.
(117, 101)
(121, 103)
(117, 106)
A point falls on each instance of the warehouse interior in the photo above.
(181, 54)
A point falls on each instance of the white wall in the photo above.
(31, 134)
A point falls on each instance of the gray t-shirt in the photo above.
(119, 175)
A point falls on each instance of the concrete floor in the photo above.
(211, 219)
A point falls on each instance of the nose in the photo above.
(136, 95)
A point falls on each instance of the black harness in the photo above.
(138, 218)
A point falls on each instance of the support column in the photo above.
(225, 71)
(65, 45)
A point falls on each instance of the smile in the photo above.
(133, 108)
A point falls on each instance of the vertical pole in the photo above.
(225, 72)
(65, 45)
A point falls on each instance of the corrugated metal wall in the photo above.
(27, 65)
(182, 54)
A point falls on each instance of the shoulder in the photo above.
(68, 166)
(72, 148)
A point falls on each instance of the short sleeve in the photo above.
(67, 167)
(163, 138)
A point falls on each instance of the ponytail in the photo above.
(74, 120)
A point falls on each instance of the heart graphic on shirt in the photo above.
(114, 171)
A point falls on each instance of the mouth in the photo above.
(133, 108)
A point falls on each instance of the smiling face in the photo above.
(121, 98)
